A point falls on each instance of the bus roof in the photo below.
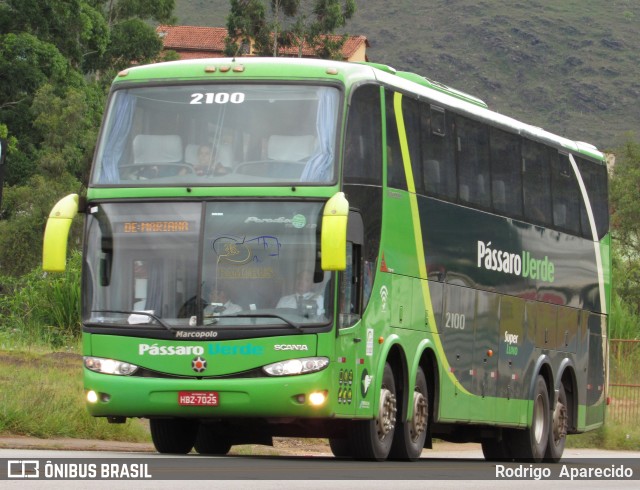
(347, 73)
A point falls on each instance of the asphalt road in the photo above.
(448, 467)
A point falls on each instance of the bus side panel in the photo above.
(597, 341)
(513, 359)
(485, 356)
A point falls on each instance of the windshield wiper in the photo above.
(150, 315)
(266, 315)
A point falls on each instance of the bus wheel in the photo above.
(371, 439)
(559, 425)
(173, 436)
(340, 447)
(411, 434)
(531, 444)
(210, 441)
(495, 449)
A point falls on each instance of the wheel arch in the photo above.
(429, 365)
(394, 354)
(425, 358)
(544, 369)
(567, 377)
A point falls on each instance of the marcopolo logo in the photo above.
(524, 265)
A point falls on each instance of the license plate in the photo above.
(198, 398)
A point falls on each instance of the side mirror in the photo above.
(333, 241)
(56, 234)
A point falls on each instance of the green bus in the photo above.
(309, 248)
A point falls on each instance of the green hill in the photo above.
(570, 66)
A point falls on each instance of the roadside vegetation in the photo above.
(41, 395)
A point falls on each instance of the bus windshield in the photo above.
(194, 264)
(218, 135)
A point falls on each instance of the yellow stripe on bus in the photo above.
(417, 231)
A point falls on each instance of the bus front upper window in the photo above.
(178, 135)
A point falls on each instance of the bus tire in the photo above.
(410, 435)
(495, 449)
(531, 444)
(340, 447)
(210, 441)
(558, 431)
(372, 439)
(173, 436)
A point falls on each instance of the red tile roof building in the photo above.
(192, 42)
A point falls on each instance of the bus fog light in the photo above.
(318, 398)
(92, 396)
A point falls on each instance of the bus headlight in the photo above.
(109, 366)
(292, 367)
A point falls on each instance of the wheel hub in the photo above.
(538, 419)
(560, 422)
(420, 415)
(386, 420)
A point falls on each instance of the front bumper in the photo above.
(286, 396)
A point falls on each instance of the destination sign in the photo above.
(157, 226)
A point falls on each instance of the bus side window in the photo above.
(506, 178)
(536, 183)
(363, 142)
(565, 193)
(412, 123)
(594, 177)
(439, 169)
(349, 292)
(473, 162)
(353, 290)
(395, 167)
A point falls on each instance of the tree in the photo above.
(288, 9)
(288, 25)
(75, 27)
(247, 26)
(26, 208)
(133, 38)
(28, 64)
(56, 59)
(154, 10)
(122, 51)
(69, 124)
(625, 187)
(330, 15)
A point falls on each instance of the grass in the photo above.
(41, 395)
(623, 323)
(612, 436)
(41, 310)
